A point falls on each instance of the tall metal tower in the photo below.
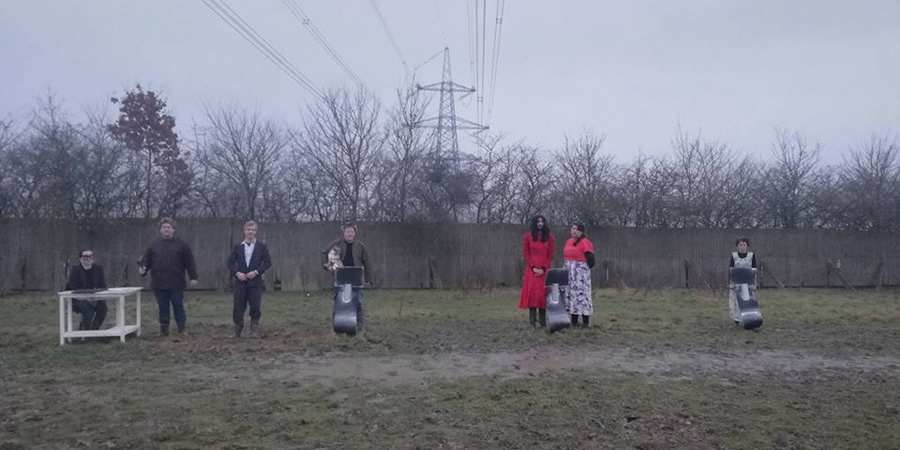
(446, 146)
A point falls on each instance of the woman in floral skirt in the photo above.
(578, 254)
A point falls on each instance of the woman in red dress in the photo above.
(537, 250)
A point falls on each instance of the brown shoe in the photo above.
(238, 328)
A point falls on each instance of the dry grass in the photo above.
(444, 369)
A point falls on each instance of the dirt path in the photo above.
(404, 369)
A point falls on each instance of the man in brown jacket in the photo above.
(352, 254)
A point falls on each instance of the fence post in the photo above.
(840, 275)
(23, 272)
(770, 272)
(606, 272)
(687, 274)
(876, 276)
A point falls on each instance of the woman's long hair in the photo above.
(580, 227)
(545, 232)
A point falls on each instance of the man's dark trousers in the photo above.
(246, 293)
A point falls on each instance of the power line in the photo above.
(428, 60)
(495, 58)
(483, 45)
(440, 21)
(472, 41)
(389, 34)
(246, 31)
(477, 85)
(301, 16)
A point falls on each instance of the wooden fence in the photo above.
(35, 254)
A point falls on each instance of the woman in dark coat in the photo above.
(537, 250)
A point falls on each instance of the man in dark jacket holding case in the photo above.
(352, 253)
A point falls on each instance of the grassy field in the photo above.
(452, 369)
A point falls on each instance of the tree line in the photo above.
(351, 157)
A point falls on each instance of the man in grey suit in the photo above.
(249, 260)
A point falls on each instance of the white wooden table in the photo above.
(121, 330)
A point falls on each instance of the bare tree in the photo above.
(284, 199)
(9, 135)
(830, 201)
(9, 132)
(533, 184)
(789, 180)
(243, 150)
(712, 187)
(341, 141)
(211, 193)
(45, 164)
(63, 169)
(494, 172)
(401, 167)
(738, 200)
(642, 193)
(585, 178)
(870, 177)
(102, 175)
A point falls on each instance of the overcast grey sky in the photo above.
(630, 69)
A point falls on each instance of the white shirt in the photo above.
(248, 252)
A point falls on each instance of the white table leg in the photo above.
(62, 321)
(120, 317)
(138, 313)
(69, 315)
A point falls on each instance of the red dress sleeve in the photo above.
(526, 249)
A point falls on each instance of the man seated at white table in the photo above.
(84, 276)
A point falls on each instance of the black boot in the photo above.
(586, 320)
(182, 329)
(542, 317)
(574, 320)
(238, 328)
(532, 316)
(254, 328)
(163, 329)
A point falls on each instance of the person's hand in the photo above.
(251, 275)
(193, 282)
(142, 270)
(241, 276)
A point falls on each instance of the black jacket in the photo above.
(259, 261)
(166, 260)
(84, 279)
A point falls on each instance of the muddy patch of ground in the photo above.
(402, 369)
